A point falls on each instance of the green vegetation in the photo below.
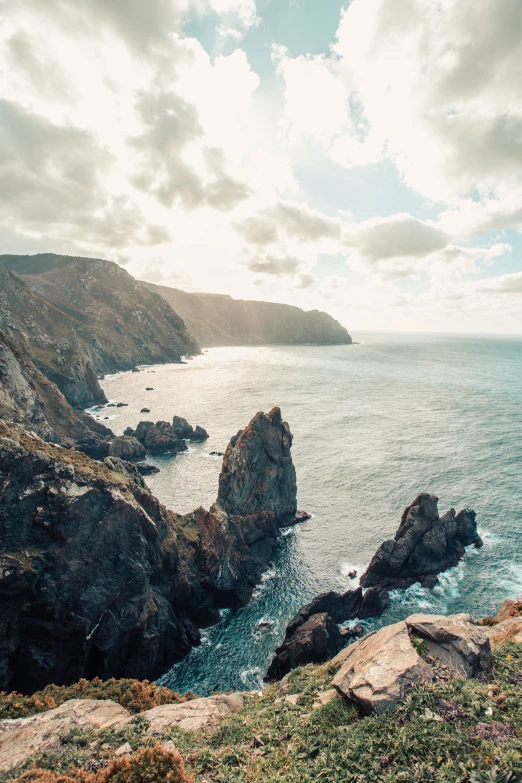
(460, 731)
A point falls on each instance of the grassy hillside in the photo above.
(461, 731)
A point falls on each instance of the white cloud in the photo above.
(439, 87)
(394, 246)
(315, 96)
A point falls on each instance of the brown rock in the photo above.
(193, 715)
(380, 669)
(454, 641)
(25, 737)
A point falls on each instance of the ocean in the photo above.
(374, 424)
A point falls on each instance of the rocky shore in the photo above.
(424, 546)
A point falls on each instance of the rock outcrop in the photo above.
(161, 437)
(425, 545)
(126, 448)
(214, 319)
(315, 641)
(378, 671)
(97, 578)
(301, 647)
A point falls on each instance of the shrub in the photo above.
(134, 695)
(150, 765)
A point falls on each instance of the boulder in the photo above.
(317, 640)
(258, 474)
(379, 670)
(509, 630)
(192, 715)
(127, 448)
(25, 737)
(424, 545)
(507, 610)
(455, 641)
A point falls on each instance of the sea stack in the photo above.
(424, 546)
(258, 474)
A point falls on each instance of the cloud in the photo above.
(393, 246)
(439, 87)
(275, 266)
(296, 221)
(54, 175)
(505, 284)
(243, 13)
(316, 101)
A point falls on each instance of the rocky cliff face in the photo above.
(28, 397)
(97, 578)
(220, 320)
(425, 545)
(58, 345)
(127, 324)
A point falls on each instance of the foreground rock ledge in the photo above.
(25, 737)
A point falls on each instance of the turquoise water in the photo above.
(374, 424)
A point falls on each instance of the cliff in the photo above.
(97, 578)
(28, 397)
(220, 320)
(119, 319)
(57, 344)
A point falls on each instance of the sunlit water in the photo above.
(374, 424)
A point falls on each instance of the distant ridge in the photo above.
(217, 319)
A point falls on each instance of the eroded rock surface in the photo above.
(23, 738)
(425, 545)
(455, 641)
(258, 473)
(193, 715)
(378, 670)
(126, 448)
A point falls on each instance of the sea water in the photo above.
(374, 424)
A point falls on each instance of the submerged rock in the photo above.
(425, 545)
(317, 640)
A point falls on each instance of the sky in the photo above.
(363, 158)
